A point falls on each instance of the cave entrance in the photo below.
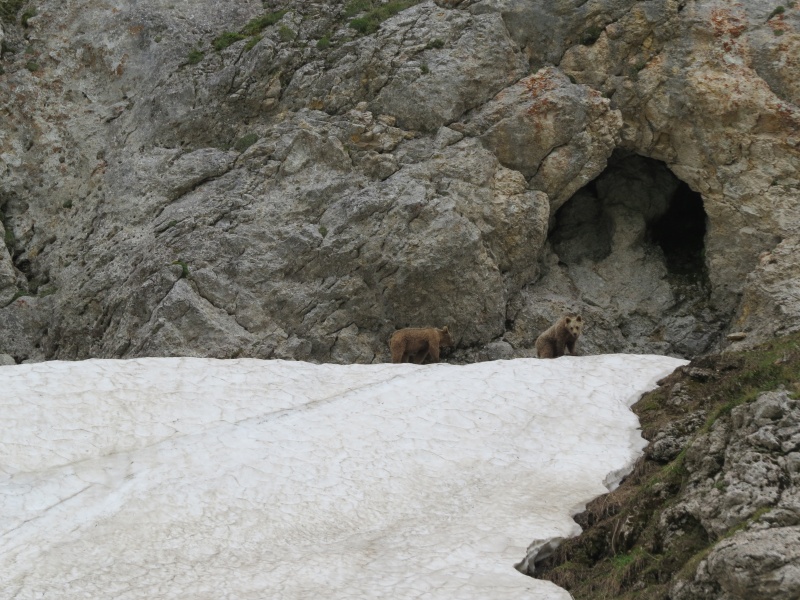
(629, 250)
(680, 233)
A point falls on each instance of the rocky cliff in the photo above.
(299, 179)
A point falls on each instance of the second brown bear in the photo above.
(561, 336)
(419, 345)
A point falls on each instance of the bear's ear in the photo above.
(444, 329)
(578, 318)
(569, 320)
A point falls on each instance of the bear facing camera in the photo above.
(562, 335)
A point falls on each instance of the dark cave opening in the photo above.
(634, 190)
(630, 253)
(680, 233)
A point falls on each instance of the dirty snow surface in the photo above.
(191, 478)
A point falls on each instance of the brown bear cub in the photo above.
(562, 334)
(419, 345)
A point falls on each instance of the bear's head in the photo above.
(574, 325)
(445, 339)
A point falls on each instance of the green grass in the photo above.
(356, 6)
(225, 39)
(253, 30)
(285, 33)
(184, 268)
(620, 561)
(374, 13)
(323, 43)
(251, 43)
(244, 142)
(776, 364)
(194, 57)
(9, 10)
(18, 294)
(259, 24)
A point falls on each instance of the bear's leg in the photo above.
(571, 345)
(418, 357)
(547, 350)
(398, 355)
(423, 358)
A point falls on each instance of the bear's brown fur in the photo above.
(563, 334)
(419, 345)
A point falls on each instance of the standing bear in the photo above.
(419, 345)
(562, 334)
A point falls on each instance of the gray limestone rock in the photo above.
(489, 163)
(751, 564)
(743, 481)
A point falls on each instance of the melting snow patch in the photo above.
(197, 478)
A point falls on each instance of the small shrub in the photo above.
(620, 561)
(184, 268)
(67, 204)
(259, 24)
(376, 14)
(424, 68)
(32, 66)
(323, 231)
(323, 43)
(244, 142)
(195, 56)
(28, 14)
(285, 33)
(9, 10)
(226, 39)
(362, 25)
(437, 43)
(777, 31)
(779, 10)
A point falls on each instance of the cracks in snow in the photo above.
(47, 509)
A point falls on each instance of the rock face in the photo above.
(267, 179)
(746, 470)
